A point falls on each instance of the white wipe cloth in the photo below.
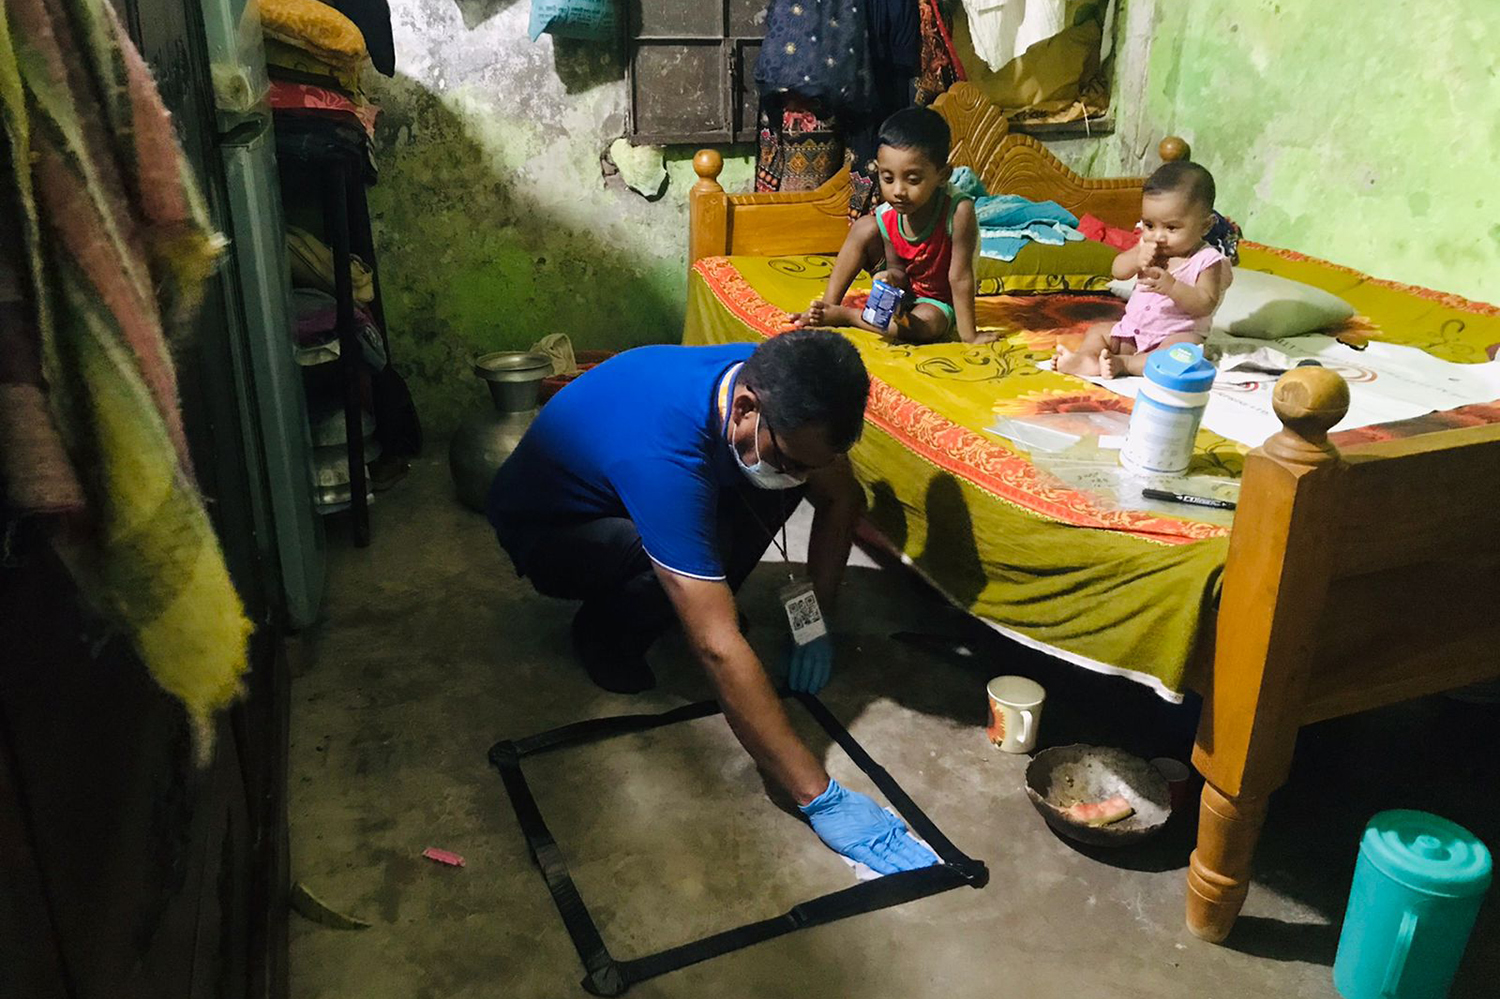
(862, 872)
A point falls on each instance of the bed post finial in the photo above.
(1308, 401)
(1174, 147)
(708, 164)
(708, 209)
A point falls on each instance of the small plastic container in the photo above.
(1168, 410)
(1418, 885)
(882, 304)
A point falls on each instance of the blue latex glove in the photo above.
(853, 825)
(809, 666)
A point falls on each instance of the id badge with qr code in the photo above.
(802, 612)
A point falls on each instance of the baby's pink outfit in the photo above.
(1151, 317)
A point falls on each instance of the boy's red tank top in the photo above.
(926, 259)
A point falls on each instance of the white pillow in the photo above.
(1266, 307)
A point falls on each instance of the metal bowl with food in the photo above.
(1098, 795)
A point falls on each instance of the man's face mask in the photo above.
(761, 474)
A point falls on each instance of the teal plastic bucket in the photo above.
(1418, 885)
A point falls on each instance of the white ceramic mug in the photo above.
(1015, 713)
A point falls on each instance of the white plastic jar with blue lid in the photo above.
(1168, 410)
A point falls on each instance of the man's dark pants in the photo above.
(603, 563)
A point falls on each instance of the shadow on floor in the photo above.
(1280, 940)
(1432, 754)
(435, 650)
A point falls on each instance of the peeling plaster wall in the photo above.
(494, 221)
(1365, 133)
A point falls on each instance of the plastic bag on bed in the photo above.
(590, 20)
(1060, 431)
(1094, 467)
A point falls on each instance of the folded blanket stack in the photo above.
(317, 329)
(316, 53)
(1008, 221)
(312, 266)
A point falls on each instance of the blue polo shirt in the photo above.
(639, 436)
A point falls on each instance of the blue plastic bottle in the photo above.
(1417, 887)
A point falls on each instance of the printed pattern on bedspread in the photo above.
(1122, 592)
(924, 396)
(1446, 326)
(1449, 327)
(1118, 592)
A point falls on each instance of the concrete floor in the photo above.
(432, 650)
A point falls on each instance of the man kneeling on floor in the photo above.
(651, 486)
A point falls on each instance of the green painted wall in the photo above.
(1367, 133)
(494, 221)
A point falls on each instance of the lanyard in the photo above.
(726, 389)
(781, 545)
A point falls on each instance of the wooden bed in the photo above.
(1353, 580)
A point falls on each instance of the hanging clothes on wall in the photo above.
(1054, 75)
(36, 474)
(829, 72)
(814, 77)
(1058, 78)
(941, 67)
(914, 63)
(1003, 29)
(587, 20)
(115, 245)
(895, 30)
(818, 50)
(799, 150)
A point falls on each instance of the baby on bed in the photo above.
(924, 236)
(1180, 279)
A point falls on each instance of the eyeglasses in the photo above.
(785, 463)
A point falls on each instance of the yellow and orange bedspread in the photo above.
(1120, 591)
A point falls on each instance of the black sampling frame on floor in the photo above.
(607, 976)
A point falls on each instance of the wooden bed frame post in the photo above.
(708, 208)
(1274, 585)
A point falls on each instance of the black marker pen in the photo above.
(1162, 494)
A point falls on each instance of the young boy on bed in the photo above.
(1179, 278)
(924, 237)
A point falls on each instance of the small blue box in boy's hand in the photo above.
(882, 304)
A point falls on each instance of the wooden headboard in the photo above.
(817, 221)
